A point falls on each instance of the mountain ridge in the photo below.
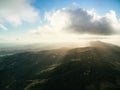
(95, 67)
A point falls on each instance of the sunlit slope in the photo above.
(96, 67)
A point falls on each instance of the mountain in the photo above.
(96, 67)
(10, 48)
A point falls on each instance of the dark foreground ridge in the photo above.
(96, 67)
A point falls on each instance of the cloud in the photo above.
(17, 11)
(76, 24)
(80, 21)
(3, 27)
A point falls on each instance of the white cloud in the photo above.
(80, 21)
(75, 24)
(58, 19)
(17, 11)
(3, 27)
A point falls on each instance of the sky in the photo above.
(41, 21)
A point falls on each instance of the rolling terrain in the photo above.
(96, 67)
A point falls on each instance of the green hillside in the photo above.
(96, 67)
